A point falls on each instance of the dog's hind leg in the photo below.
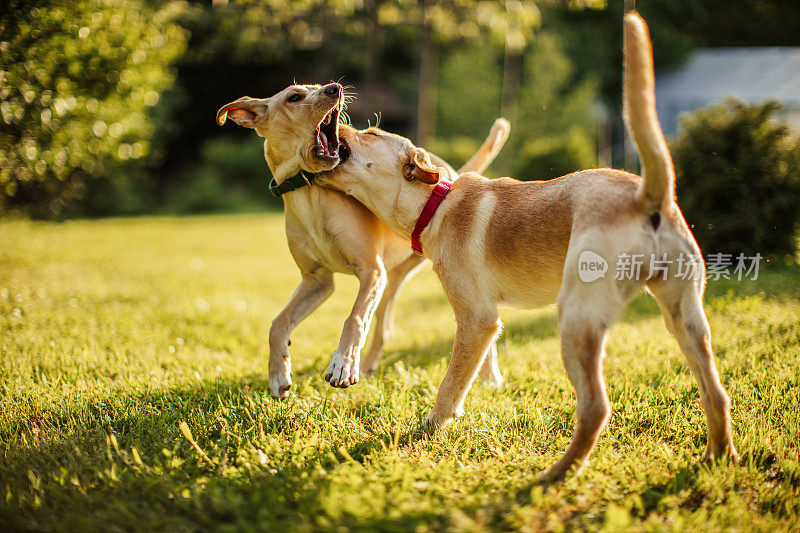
(475, 331)
(585, 312)
(681, 302)
(314, 289)
(490, 369)
(396, 278)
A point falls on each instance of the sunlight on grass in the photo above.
(114, 332)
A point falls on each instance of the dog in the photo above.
(330, 232)
(504, 242)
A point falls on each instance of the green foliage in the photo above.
(467, 103)
(79, 134)
(593, 37)
(738, 178)
(469, 85)
(77, 82)
(164, 320)
(554, 156)
(553, 127)
(554, 130)
(231, 175)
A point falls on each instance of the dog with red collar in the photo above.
(330, 232)
(504, 242)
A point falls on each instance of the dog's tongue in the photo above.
(323, 140)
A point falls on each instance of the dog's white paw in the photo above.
(280, 382)
(343, 370)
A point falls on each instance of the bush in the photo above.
(468, 103)
(738, 178)
(77, 81)
(551, 157)
(231, 176)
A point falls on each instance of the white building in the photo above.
(754, 75)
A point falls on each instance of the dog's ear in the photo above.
(244, 111)
(419, 167)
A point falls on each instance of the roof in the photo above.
(711, 74)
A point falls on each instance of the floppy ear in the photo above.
(243, 111)
(419, 167)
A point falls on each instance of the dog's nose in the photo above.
(333, 89)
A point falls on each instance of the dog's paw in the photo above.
(551, 475)
(438, 419)
(343, 370)
(280, 383)
(721, 453)
(427, 427)
(417, 433)
(559, 470)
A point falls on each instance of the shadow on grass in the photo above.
(76, 478)
(66, 475)
(519, 330)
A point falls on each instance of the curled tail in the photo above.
(639, 109)
(489, 149)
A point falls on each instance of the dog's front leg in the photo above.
(313, 290)
(344, 368)
(475, 331)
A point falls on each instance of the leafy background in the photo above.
(107, 105)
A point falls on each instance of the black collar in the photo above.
(301, 179)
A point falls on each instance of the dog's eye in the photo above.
(296, 97)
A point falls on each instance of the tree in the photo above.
(593, 37)
(554, 127)
(510, 22)
(738, 178)
(76, 85)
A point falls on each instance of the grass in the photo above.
(113, 332)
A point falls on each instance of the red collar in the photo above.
(437, 195)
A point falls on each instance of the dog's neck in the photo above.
(398, 209)
(281, 168)
(409, 202)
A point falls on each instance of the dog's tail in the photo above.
(489, 149)
(639, 109)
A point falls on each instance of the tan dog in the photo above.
(330, 232)
(509, 243)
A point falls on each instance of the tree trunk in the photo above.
(428, 69)
(325, 54)
(371, 56)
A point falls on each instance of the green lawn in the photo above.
(113, 332)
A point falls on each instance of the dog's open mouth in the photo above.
(327, 135)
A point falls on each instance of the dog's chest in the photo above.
(310, 236)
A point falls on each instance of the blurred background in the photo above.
(107, 106)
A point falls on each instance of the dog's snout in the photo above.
(333, 89)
